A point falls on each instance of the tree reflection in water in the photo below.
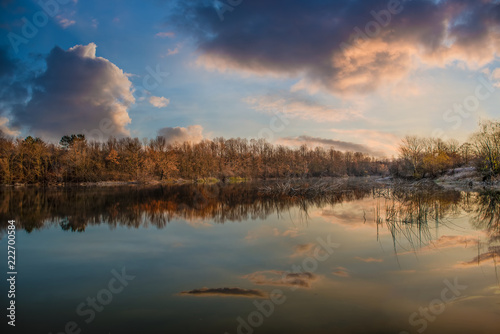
(406, 209)
(135, 206)
(409, 208)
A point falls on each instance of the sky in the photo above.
(355, 75)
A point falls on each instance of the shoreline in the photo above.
(468, 184)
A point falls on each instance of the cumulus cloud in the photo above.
(159, 102)
(193, 134)
(225, 292)
(282, 278)
(293, 38)
(77, 93)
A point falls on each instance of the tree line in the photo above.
(430, 157)
(75, 159)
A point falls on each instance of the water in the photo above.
(211, 259)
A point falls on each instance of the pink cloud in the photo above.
(304, 250)
(341, 272)
(165, 34)
(64, 22)
(489, 258)
(452, 241)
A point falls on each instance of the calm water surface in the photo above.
(229, 259)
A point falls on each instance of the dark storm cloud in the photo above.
(13, 91)
(12, 81)
(7, 65)
(304, 38)
(225, 292)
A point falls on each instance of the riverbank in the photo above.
(467, 179)
(464, 179)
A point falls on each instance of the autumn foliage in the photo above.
(74, 159)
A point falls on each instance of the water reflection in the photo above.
(401, 208)
(408, 212)
(199, 280)
(75, 208)
(409, 209)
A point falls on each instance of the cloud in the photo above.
(368, 259)
(490, 258)
(303, 250)
(452, 241)
(341, 272)
(75, 94)
(13, 89)
(324, 142)
(193, 134)
(294, 106)
(298, 39)
(290, 106)
(5, 129)
(266, 231)
(282, 278)
(292, 233)
(165, 34)
(65, 22)
(7, 65)
(379, 142)
(159, 102)
(174, 51)
(225, 292)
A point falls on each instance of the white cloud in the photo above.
(159, 102)
(193, 134)
(78, 93)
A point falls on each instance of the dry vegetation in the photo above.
(74, 159)
(32, 160)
